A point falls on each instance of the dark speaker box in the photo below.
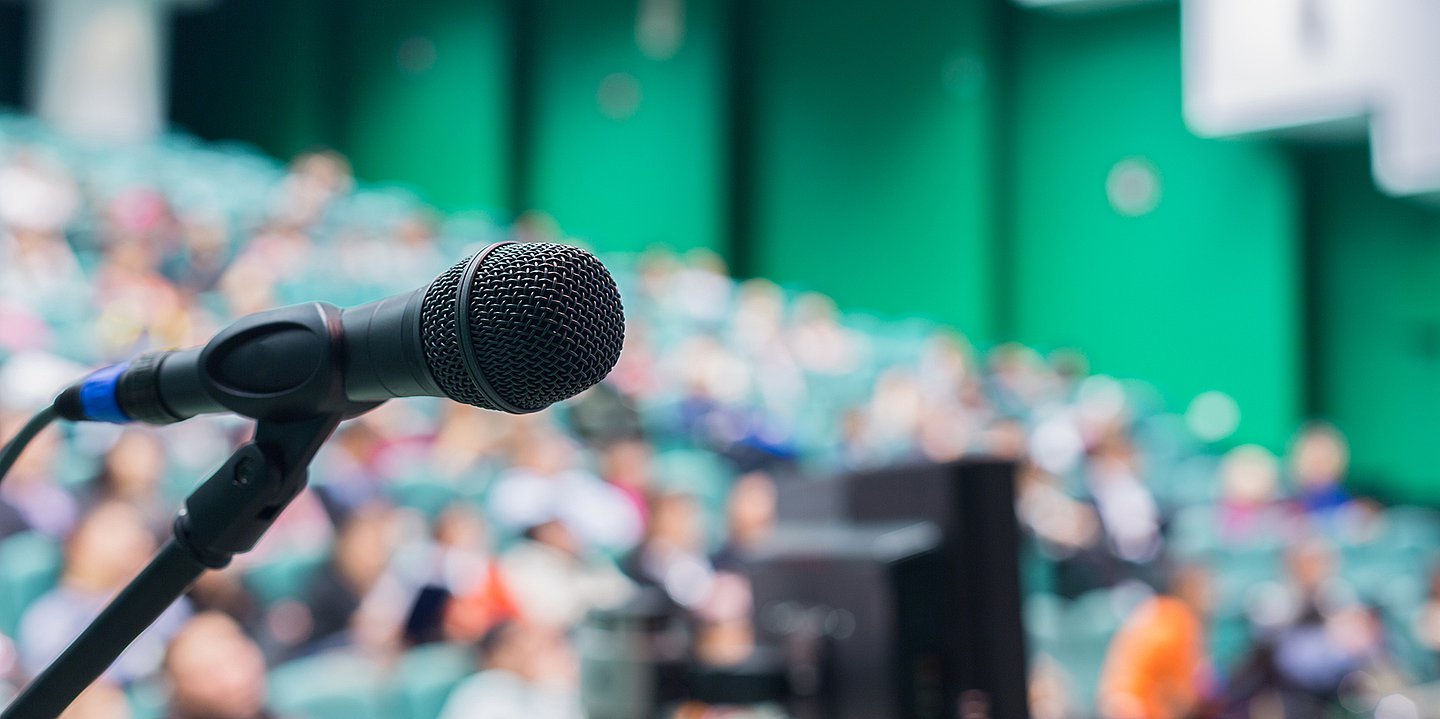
(855, 612)
(972, 502)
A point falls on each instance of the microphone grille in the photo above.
(544, 323)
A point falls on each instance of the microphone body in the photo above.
(281, 364)
(495, 328)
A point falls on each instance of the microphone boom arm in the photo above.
(224, 516)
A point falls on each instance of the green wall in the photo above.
(1200, 293)
(424, 97)
(414, 93)
(258, 70)
(939, 157)
(625, 148)
(1375, 262)
(868, 137)
(14, 37)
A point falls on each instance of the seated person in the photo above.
(527, 672)
(215, 671)
(111, 545)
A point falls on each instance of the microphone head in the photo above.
(518, 327)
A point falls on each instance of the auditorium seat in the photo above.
(283, 576)
(333, 685)
(29, 567)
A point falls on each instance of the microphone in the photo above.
(514, 328)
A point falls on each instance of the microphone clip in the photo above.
(229, 511)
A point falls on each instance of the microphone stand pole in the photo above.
(224, 516)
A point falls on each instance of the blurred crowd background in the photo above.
(849, 237)
(444, 556)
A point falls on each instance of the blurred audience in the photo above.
(109, 547)
(1427, 619)
(1158, 665)
(430, 523)
(1311, 635)
(750, 519)
(672, 556)
(31, 491)
(557, 580)
(1319, 459)
(1250, 492)
(131, 473)
(352, 578)
(215, 671)
(464, 591)
(545, 480)
(1129, 516)
(527, 672)
(103, 700)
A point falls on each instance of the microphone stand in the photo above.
(224, 516)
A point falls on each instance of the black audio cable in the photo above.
(16, 445)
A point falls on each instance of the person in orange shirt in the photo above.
(1157, 664)
(488, 602)
(479, 591)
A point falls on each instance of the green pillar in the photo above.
(869, 145)
(424, 97)
(1376, 350)
(257, 71)
(625, 120)
(1162, 256)
(14, 46)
